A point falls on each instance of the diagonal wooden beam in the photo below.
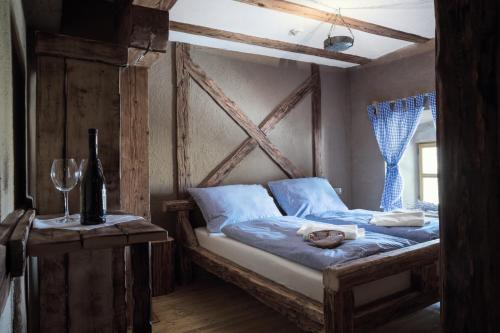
(220, 172)
(230, 107)
(320, 15)
(265, 42)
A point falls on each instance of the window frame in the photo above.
(421, 175)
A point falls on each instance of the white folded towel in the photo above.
(351, 231)
(399, 218)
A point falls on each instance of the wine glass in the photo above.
(64, 174)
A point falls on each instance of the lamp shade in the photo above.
(338, 43)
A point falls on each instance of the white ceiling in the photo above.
(413, 16)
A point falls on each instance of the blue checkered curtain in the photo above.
(432, 104)
(394, 129)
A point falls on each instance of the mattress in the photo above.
(299, 278)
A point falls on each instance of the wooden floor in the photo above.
(211, 305)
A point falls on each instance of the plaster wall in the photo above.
(257, 84)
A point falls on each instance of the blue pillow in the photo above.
(223, 205)
(305, 196)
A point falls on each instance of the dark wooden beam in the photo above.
(144, 28)
(468, 140)
(319, 15)
(80, 48)
(165, 5)
(265, 42)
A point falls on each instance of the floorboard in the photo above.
(211, 305)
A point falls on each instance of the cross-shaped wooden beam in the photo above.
(267, 125)
(240, 118)
(186, 69)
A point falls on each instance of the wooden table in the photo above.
(82, 280)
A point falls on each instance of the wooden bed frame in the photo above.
(338, 313)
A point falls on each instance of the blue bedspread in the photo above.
(278, 235)
(361, 217)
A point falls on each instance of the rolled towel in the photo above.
(399, 218)
(351, 231)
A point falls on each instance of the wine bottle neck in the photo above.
(93, 146)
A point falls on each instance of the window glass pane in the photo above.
(429, 160)
(430, 189)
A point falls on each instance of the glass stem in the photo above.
(66, 206)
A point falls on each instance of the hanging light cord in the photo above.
(337, 16)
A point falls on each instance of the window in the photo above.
(428, 172)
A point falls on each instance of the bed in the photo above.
(352, 296)
(355, 295)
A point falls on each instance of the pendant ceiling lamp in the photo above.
(338, 43)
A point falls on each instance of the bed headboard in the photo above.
(186, 70)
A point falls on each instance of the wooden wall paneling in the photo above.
(217, 175)
(90, 291)
(468, 142)
(265, 42)
(52, 273)
(316, 121)
(50, 131)
(134, 138)
(241, 119)
(94, 101)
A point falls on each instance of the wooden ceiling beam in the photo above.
(165, 5)
(80, 48)
(265, 42)
(320, 15)
(144, 28)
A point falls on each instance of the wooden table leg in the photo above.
(141, 288)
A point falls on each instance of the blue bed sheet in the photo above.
(278, 235)
(362, 218)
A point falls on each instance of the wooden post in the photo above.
(182, 119)
(316, 121)
(183, 165)
(134, 137)
(468, 128)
